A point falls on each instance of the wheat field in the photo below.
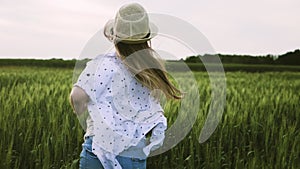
(259, 128)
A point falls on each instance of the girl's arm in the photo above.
(78, 100)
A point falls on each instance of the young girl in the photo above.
(119, 90)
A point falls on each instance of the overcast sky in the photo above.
(61, 28)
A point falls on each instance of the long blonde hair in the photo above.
(148, 69)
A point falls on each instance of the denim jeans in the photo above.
(88, 160)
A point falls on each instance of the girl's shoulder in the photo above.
(108, 58)
(107, 61)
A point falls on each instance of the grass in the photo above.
(260, 126)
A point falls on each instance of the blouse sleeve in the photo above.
(85, 79)
(94, 77)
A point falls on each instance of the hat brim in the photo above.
(112, 37)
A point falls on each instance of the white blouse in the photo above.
(122, 110)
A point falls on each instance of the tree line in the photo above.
(289, 58)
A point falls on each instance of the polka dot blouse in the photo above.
(122, 110)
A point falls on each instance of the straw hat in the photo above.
(131, 25)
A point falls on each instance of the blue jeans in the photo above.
(88, 160)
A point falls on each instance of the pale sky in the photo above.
(61, 28)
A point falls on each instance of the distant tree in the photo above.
(290, 58)
(193, 59)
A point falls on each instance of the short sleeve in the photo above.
(95, 77)
(85, 79)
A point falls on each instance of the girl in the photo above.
(119, 90)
